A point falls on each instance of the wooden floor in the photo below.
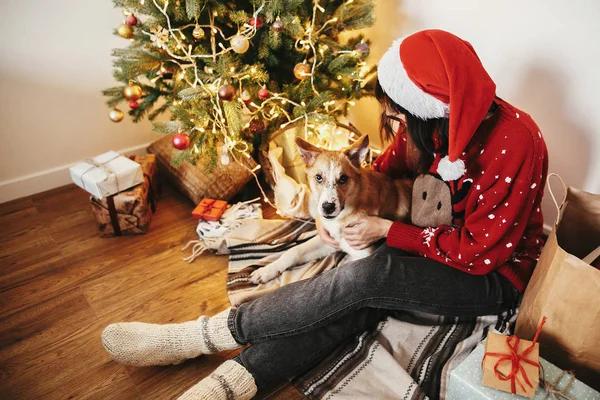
(60, 285)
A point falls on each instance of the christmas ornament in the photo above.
(226, 92)
(159, 37)
(224, 155)
(131, 20)
(181, 141)
(257, 126)
(302, 71)
(263, 93)
(357, 86)
(255, 22)
(116, 115)
(239, 44)
(133, 104)
(125, 31)
(132, 92)
(363, 48)
(277, 25)
(198, 32)
(341, 26)
(246, 97)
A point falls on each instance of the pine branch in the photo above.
(239, 17)
(193, 93)
(159, 111)
(341, 62)
(274, 40)
(168, 127)
(193, 9)
(359, 14)
(233, 115)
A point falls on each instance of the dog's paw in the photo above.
(263, 275)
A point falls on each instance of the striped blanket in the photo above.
(407, 356)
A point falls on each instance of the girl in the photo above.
(470, 249)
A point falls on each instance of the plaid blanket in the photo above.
(407, 356)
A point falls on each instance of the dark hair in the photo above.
(420, 131)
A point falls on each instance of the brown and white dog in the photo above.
(343, 193)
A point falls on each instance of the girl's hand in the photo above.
(325, 236)
(365, 232)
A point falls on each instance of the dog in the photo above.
(343, 193)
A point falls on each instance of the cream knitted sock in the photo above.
(231, 381)
(140, 344)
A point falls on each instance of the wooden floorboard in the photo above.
(61, 284)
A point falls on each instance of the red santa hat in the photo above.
(435, 74)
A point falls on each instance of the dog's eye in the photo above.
(318, 178)
(343, 179)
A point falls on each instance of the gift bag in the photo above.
(565, 287)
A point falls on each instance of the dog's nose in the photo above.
(328, 208)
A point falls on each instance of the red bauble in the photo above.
(263, 93)
(131, 20)
(181, 141)
(133, 104)
(255, 22)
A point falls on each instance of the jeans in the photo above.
(293, 328)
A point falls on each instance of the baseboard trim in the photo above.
(51, 178)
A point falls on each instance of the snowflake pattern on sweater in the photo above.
(493, 222)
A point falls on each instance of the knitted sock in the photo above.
(231, 381)
(140, 344)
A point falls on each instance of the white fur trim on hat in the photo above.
(451, 171)
(399, 87)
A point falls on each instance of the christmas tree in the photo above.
(230, 73)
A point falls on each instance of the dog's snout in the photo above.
(328, 208)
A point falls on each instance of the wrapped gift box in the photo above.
(210, 210)
(107, 174)
(466, 382)
(129, 212)
(497, 363)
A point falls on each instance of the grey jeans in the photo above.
(293, 328)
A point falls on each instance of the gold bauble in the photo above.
(132, 92)
(239, 44)
(302, 71)
(125, 31)
(116, 115)
(198, 32)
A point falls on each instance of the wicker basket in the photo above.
(223, 183)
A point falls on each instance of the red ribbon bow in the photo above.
(515, 358)
(208, 205)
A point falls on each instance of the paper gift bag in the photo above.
(566, 289)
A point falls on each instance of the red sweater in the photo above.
(496, 217)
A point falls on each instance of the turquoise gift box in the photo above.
(465, 382)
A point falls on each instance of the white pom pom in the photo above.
(451, 171)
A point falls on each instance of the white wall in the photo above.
(543, 56)
(55, 60)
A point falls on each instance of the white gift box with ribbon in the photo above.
(107, 174)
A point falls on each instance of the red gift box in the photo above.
(210, 210)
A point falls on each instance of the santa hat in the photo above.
(434, 74)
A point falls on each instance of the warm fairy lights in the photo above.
(276, 106)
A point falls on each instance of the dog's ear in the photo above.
(308, 151)
(358, 151)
